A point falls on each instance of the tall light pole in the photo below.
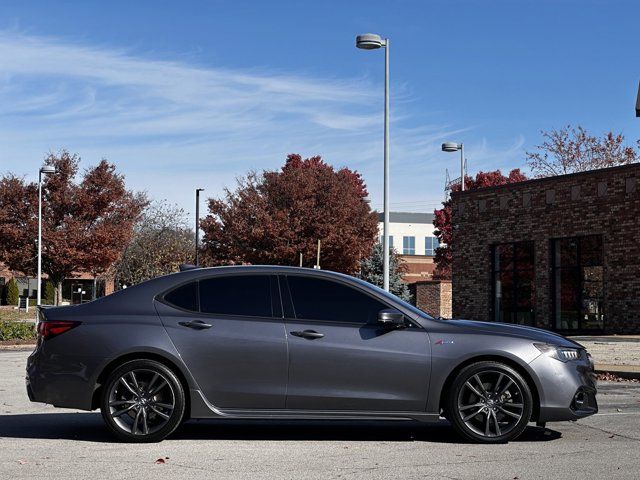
(454, 147)
(371, 41)
(47, 170)
(198, 190)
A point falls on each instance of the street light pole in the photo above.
(454, 147)
(198, 190)
(46, 169)
(370, 41)
(462, 167)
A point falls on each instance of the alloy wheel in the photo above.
(491, 403)
(141, 402)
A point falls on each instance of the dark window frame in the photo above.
(514, 270)
(554, 284)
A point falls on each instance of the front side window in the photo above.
(578, 283)
(408, 245)
(513, 283)
(430, 246)
(245, 295)
(320, 299)
(185, 297)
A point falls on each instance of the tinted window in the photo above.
(247, 295)
(184, 297)
(318, 299)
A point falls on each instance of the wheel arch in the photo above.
(526, 375)
(145, 355)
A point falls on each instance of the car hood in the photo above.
(520, 331)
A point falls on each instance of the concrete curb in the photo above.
(17, 347)
(630, 372)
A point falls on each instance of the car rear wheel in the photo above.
(489, 402)
(142, 401)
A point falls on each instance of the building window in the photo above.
(390, 240)
(578, 283)
(430, 246)
(513, 283)
(602, 189)
(408, 245)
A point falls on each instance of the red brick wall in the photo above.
(605, 202)
(433, 296)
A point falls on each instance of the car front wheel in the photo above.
(142, 401)
(489, 402)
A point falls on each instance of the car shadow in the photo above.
(90, 428)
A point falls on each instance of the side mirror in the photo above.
(391, 318)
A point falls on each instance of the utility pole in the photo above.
(317, 265)
(198, 190)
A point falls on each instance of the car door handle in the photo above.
(310, 334)
(197, 324)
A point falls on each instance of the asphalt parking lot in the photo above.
(39, 441)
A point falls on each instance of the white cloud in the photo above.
(172, 126)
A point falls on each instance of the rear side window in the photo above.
(319, 299)
(185, 297)
(246, 295)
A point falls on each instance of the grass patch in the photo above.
(17, 331)
(11, 314)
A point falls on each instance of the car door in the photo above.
(341, 358)
(230, 334)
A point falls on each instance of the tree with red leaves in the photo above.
(570, 150)
(442, 220)
(273, 217)
(86, 225)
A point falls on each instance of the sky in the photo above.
(192, 94)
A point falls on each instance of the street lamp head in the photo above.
(47, 169)
(370, 41)
(451, 147)
(199, 189)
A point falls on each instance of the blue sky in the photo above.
(195, 93)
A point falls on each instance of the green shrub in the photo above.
(12, 292)
(49, 293)
(17, 331)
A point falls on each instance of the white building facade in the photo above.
(412, 236)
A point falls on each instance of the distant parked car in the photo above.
(281, 343)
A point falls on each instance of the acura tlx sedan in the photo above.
(255, 342)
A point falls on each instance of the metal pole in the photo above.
(385, 243)
(462, 167)
(39, 296)
(198, 190)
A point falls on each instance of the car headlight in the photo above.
(564, 354)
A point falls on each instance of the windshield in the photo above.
(395, 298)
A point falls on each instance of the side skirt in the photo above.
(201, 408)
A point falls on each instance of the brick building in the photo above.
(412, 236)
(561, 253)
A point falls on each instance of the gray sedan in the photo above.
(268, 342)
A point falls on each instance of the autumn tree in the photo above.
(442, 217)
(372, 271)
(570, 150)
(162, 240)
(85, 225)
(273, 217)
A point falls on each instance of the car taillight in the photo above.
(52, 328)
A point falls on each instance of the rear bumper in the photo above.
(60, 380)
(567, 390)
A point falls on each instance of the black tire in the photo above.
(147, 417)
(477, 389)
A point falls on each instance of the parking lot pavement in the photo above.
(39, 441)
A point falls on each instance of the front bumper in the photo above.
(567, 390)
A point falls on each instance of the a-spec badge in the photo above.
(444, 342)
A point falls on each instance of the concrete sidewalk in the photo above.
(616, 354)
